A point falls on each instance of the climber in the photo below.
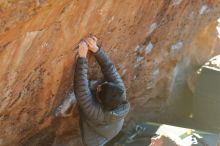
(101, 114)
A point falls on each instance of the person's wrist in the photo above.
(82, 56)
(94, 50)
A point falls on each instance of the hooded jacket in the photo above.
(98, 125)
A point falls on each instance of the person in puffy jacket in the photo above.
(102, 112)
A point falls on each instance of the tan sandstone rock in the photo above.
(146, 39)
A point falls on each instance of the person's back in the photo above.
(101, 115)
(98, 133)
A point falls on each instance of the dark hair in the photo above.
(111, 95)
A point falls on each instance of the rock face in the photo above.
(156, 46)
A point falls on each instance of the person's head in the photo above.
(110, 95)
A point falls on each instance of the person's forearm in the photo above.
(110, 72)
(103, 59)
(81, 77)
(108, 68)
(83, 94)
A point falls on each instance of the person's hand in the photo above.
(92, 43)
(83, 49)
(156, 141)
(162, 140)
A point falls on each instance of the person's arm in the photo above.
(108, 68)
(87, 103)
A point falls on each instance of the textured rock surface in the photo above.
(156, 45)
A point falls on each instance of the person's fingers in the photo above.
(94, 38)
(154, 137)
(81, 43)
(84, 44)
(152, 143)
(156, 141)
(80, 46)
(89, 41)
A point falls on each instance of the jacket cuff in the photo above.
(82, 60)
(99, 52)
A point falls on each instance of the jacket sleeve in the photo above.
(108, 69)
(88, 105)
